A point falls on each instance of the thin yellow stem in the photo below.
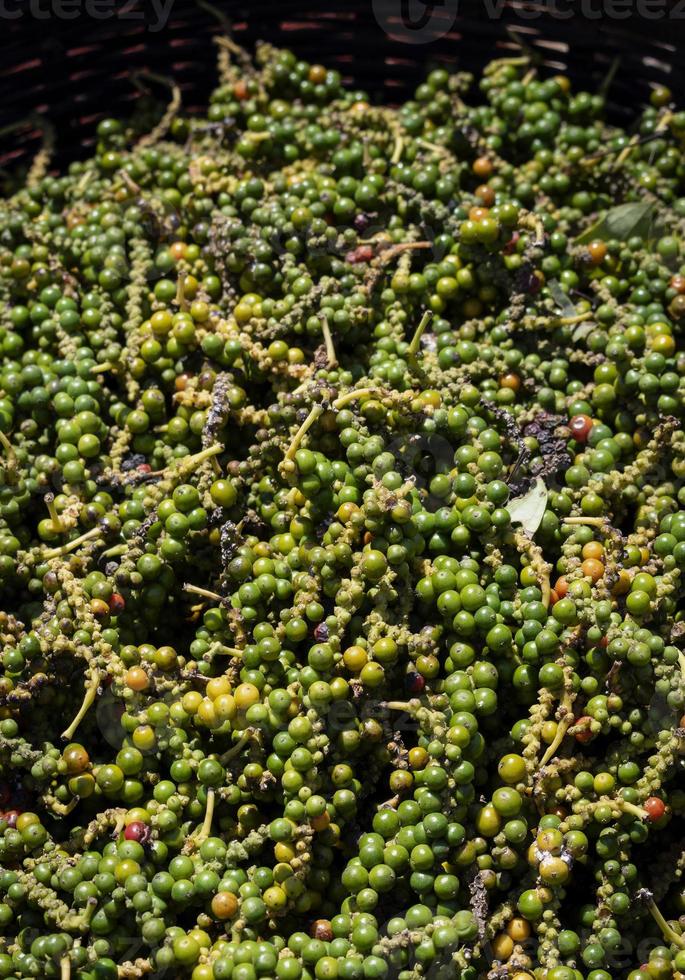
(353, 396)
(328, 340)
(9, 449)
(57, 525)
(669, 934)
(498, 63)
(402, 705)
(65, 968)
(197, 459)
(637, 811)
(562, 728)
(181, 300)
(314, 413)
(88, 699)
(130, 182)
(627, 150)
(589, 521)
(72, 545)
(196, 590)
(578, 318)
(230, 45)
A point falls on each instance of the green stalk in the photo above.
(416, 339)
(669, 934)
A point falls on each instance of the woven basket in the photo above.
(77, 71)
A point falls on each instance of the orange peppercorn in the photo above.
(136, 679)
(511, 381)
(317, 74)
(597, 251)
(622, 584)
(224, 905)
(518, 929)
(482, 167)
(99, 608)
(321, 929)
(177, 250)
(485, 194)
(593, 569)
(321, 822)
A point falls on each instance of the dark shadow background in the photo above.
(72, 60)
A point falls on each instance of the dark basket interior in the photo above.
(76, 71)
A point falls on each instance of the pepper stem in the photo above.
(192, 461)
(669, 934)
(627, 807)
(65, 968)
(235, 749)
(314, 413)
(195, 840)
(562, 728)
(71, 545)
(353, 396)
(9, 450)
(408, 706)
(196, 590)
(416, 339)
(88, 699)
(589, 521)
(328, 340)
(57, 525)
(181, 300)
(578, 318)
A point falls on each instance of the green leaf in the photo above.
(528, 509)
(583, 329)
(635, 219)
(560, 297)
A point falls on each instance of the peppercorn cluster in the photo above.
(342, 529)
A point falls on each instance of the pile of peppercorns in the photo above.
(342, 528)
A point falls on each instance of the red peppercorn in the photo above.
(655, 808)
(138, 831)
(362, 253)
(585, 733)
(580, 426)
(414, 682)
(511, 244)
(144, 468)
(117, 604)
(321, 633)
(11, 816)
